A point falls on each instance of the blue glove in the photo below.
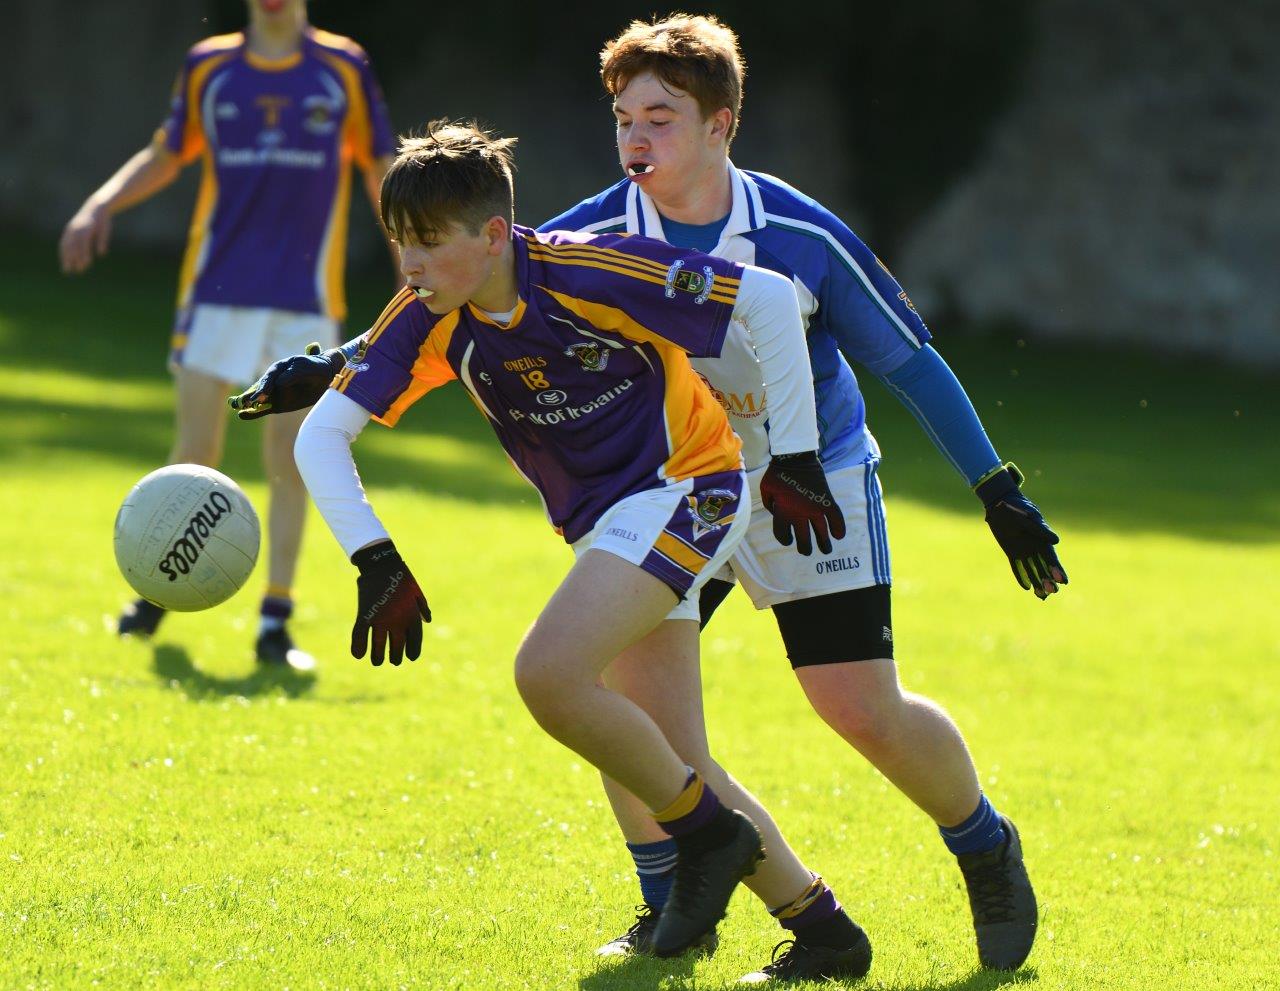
(290, 384)
(1021, 531)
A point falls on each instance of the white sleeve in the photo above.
(323, 455)
(768, 309)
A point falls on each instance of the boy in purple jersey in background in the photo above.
(677, 89)
(575, 349)
(277, 115)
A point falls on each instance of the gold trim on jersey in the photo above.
(430, 370)
(281, 64)
(724, 287)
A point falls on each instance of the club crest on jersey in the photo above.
(320, 114)
(707, 508)
(699, 285)
(590, 356)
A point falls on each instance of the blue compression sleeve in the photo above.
(926, 385)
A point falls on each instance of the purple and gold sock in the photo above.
(816, 918)
(277, 607)
(695, 807)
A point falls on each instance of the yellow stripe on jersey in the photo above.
(357, 145)
(389, 313)
(430, 371)
(264, 64)
(562, 253)
(724, 289)
(193, 144)
(199, 232)
(699, 438)
(603, 266)
(193, 139)
(330, 40)
(332, 259)
(516, 315)
(570, 248)
(358, 130)
(680, 552)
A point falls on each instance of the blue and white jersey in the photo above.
(849, 301)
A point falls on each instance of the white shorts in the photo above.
(237, 343)
(772, 574)
(682, 533)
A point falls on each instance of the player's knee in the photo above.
(541, 684)
(869, 723)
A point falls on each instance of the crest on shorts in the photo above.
(707, 509)
(591, 356)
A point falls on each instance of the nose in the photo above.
(632, 138)
(411, 259)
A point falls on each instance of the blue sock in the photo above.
(982, 831)
(655, 866)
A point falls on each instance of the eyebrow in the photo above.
(648, 107)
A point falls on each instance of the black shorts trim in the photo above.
(854, 625)
(712, 594)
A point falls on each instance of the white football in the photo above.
(186, 537)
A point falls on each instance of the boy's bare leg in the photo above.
(604, 606)
(662, 675)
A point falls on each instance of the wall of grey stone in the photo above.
(1132, 193)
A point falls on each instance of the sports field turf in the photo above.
(171, 817)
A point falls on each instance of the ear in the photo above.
(720, 122)
(497, 233)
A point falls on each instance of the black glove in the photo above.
(390, 604)
(290, 384)
(1021, 531)
(795, 491)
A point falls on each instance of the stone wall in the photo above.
(1132, 193)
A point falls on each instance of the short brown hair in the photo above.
(695, 53)
(455, 172)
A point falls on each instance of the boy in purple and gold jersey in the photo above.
(576, 350)
(277, 115)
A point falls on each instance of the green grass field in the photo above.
(171, 817)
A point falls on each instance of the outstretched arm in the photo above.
(390, 605)
(294, 383)
(925, 384)
(88, 234)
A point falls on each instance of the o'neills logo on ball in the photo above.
(185, 551)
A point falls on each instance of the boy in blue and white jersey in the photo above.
(676, 86)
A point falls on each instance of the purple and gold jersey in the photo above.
(277, 139)
(589, 387)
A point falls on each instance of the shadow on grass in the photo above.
(173, 666)
(139, 439)
(642, 972)
(979, 980)
(1112, 440)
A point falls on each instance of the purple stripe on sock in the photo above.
(823, 908)
(276, 607)
(702, 814)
